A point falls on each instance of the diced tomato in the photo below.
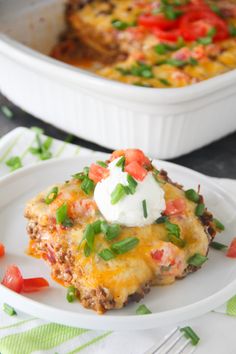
(138, 156)
(196, 24)
(232, 249)
(116, 154)
(31, 285)
(175, 207)
(171, 35)
(157, 21)
(13, 279)
(2, 250)
(136, 170)
(157, 255)
(97, 173)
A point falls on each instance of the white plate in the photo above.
(197, 294)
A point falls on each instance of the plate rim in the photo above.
(112, 322)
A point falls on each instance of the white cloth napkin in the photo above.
(22, 334)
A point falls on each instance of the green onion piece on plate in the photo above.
(190, 334)
(218, 245)
(192, 195)
(61, 213)
(118, 193)
(143, 310)
(112, 231)
(132, 184)
(176, 241)
(197, 260)
(144, 205)
(106, 254)
(125, 245)
(200, 208)
(89, 235)
(161, 220)
(173, 229)
(121, 163)
(101, 163)
(9, 310)
(218, 224)
(97, 226)
(87, 185)
(71, 294)
(51, 196)
(87, 250)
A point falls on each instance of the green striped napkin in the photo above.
(23, 334)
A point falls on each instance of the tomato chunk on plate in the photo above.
(136, 171)
(175, 207)
(13, 279)
(31, 285)
(138, 156)
(232, 249)
(97, 173)
(2, 250)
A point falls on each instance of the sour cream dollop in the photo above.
(129, 210)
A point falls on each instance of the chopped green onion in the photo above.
(211, 32)
(89, 235)
(87, 250)
(97, 226)
(125, 245)
(161, 48)
(170, 13)
(102, 164)
(164, 82)
(205, 40)
(161, 220)
(197, 260)
(132, 184)
(86, 170)
(51, 196)
(62, 216)
(200, 208)
(193, 61)
(9, 310)
(232, 30)
(144, 204)
(79, 176)
(121, 25)
(121, 163)
(173, 229)
(176, 241)
(71, 294)
(14, 163)
(218, 224)
(192, 195)
(175, 62)
(190, 334)
(143, 310)
(87, 185)
(215, 9)
(218, 245)
(6, 111)
(118, 193)
(106, 254)
(112, 232)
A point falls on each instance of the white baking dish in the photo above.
(165, 123)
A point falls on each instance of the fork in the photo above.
(174, 343)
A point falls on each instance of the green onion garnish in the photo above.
(87, 185)
(14, 163)
(87, 250)
(173, 229)
(161, 220)
(176, 241)
(218, 245)
(132, 184)
(89, 235)
(118, 193)
(232, 30)
(200, 208)
(197, 260)
(62, 216)
(51, 196)
(161, 48)
(218, 224)
(142, 310)
(164, 82)
(175, 62)
(9, 310)
(121, 163)
(144, 204)
(97, 226)
(121, 25)
(192, 61)
(102, 164)
(71, 294)
(125, 245)
(6, 111)
(79, 175)
(106, 254)
(205, 40)
(190, 334)
(192, 195)
(112, 231)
